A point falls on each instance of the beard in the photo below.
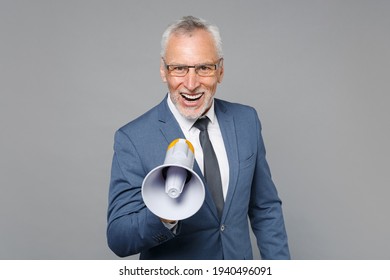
(192, 113)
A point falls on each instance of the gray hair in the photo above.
(188, 24)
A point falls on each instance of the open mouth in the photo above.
(191, 97)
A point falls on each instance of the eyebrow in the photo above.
(183, 64)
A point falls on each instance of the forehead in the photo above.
(195, 47)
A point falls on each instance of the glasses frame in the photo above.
(196, 67)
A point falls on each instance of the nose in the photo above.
(191, 81)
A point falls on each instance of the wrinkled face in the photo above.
(192, 94)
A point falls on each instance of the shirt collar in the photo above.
(184, 122)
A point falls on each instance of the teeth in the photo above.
(192, 97)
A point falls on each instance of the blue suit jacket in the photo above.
(132, 228)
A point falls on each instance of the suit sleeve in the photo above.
(131, 227)
(265, 209)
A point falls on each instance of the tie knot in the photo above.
(202, 123)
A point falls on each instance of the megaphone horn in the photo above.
(173, 190)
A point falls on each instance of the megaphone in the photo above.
(173, 191)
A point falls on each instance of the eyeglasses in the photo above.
(203, 70)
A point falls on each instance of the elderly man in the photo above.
(238, 184)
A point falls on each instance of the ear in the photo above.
(163, 73)
(221, 71)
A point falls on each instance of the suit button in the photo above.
(222, 227)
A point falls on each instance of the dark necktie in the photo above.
(210, 164)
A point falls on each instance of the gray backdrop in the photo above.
(72, 72)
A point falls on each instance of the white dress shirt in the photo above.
(192, 134)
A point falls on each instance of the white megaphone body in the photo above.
(173, 191)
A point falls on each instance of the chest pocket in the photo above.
(248, 161)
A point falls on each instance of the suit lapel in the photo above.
(169, 127)
(227, 126)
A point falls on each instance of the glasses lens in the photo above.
(205, 69)
(178, 70)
